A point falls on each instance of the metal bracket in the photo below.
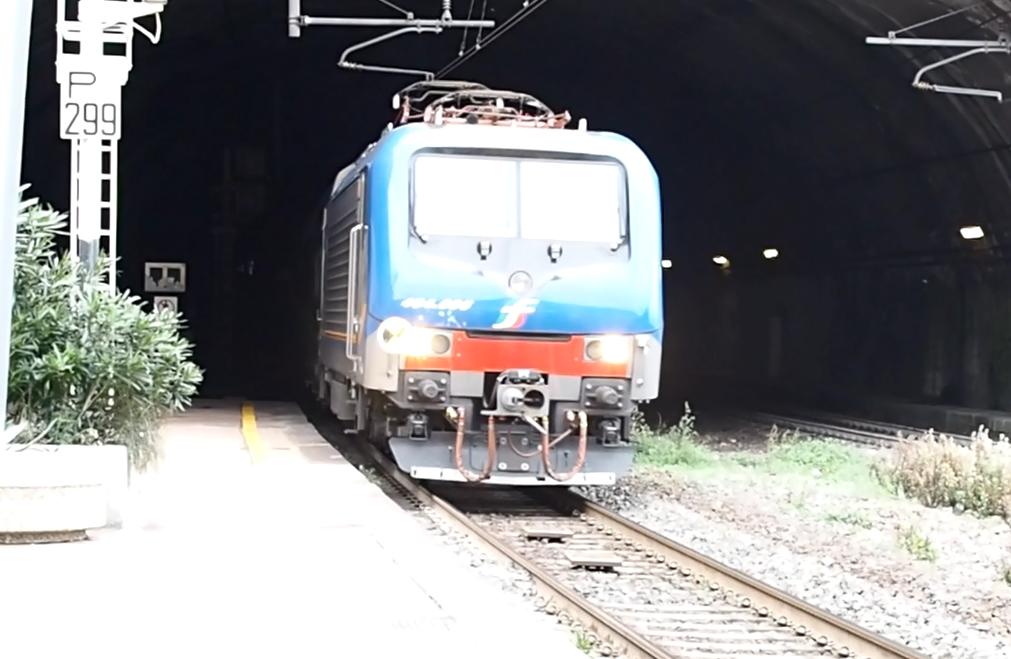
(109, 14)
(409, 23)
(975, 47)
(345, 64)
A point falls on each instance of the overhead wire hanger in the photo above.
(974, 46)
(408, 23)
(344, 63)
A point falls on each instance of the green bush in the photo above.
(939, 472)
(88, 365)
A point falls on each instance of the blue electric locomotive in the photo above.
(489, 291)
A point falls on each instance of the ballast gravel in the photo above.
(853, 577)
(839, 552)
(827, 567)
(513, 581)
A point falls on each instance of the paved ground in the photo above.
(296, 556)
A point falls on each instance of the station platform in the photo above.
(263, 545)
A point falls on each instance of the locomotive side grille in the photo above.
(342, 215)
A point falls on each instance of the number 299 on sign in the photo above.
(89, 119)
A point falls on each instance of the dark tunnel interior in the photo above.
(771, 124)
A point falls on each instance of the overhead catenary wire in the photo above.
(528, 8)
(395, 7)
(484, 15)
(470, 15)
(514, 20)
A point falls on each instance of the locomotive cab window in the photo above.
(571, 200)
(460, 196)
(531, 198)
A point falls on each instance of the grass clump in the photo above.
(583, 642)
(938, 472)
(1005, 572)
(670, 446)
(792, 450)
(795, 455)
(850, 518)
(917, 544)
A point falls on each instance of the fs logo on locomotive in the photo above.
(512, 316)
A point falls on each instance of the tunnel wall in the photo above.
(936, 334)
(769, 125)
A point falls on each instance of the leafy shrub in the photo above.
(88, 365)
(939, 472)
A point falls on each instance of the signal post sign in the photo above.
(91, 83)
(91, 99)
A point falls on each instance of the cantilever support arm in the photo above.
(977, 47)
(408, 23)
(297, 20)
(934, 43)
(967, 91)
(344, 63)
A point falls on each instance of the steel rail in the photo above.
(840, 427)
(621, 639)
(844, 638)
(883, 427)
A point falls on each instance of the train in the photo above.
(488, 291)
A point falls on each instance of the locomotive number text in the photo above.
(440, 305)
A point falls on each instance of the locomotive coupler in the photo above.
(521, 394)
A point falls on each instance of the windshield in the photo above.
(530, 198)
(456, 196)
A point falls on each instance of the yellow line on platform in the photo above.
(257, 452)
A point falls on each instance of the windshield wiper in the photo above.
(616, 246)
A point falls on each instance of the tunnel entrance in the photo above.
(774, 128)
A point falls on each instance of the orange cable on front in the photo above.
(546, 445)
(461, 425)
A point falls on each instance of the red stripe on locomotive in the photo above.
(486, 354)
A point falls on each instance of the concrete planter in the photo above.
(62, 489)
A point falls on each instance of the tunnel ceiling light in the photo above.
(666, 263)
(719, 259)
(973, 232)
(770, 253)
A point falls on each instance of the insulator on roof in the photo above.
(457, 102)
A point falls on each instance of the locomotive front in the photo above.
(515, 300)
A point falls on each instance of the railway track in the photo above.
(836, 426)
(679, 604)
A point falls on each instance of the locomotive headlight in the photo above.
(439, 344)
(392, 334)
(611, 349)
(417, 342)
(398, 337)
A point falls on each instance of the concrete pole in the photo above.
(15, 34)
